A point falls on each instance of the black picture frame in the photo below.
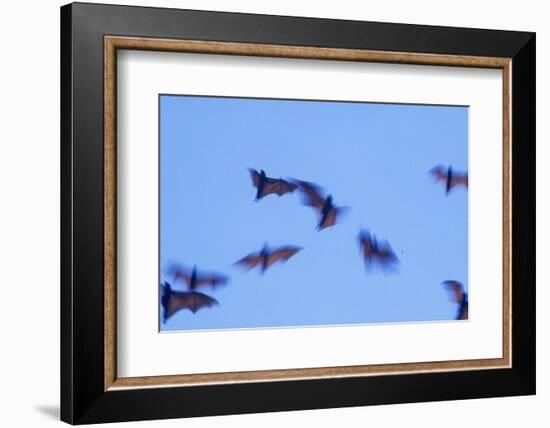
(83, 396)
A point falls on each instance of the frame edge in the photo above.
(524, 215)
(66, 316)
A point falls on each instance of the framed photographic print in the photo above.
(265, 213)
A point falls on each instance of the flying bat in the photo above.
(194, 279)
(175, 301)
(449, 178)
(313, 197)
(265, 258)
(458, 295)
(374, 251)
(266, 186)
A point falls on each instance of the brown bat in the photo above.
(458, 295)
(374, 251)
(175, 301)
(313, 197)
(265, 258)
(194, 280)
(449, 178)
(266, 186)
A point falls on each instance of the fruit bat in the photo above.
(265, 185)
(458, 295)
(374, 251)
(265, 258)
(194, 280)
(449, 178)
(174, 301)
(313, 197)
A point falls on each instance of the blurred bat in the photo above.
(265, 258)
(266, 186)
(194, 280)
(313, 197)
(458, 295)
(374, 251)
(449, 178)
(174, 301)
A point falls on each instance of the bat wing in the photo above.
(250, 261)
(386, 255)
(255, 177)
(367, 250)
(313, 194)
(456, 290)
(191, 300)
(211, 279)
(332, 217)
(461, 179)
(439, 173)
(201, 300)
(286, 187)
(278, 186)
(179, 272)
(174, 302)
(365, 245)
(282, 254)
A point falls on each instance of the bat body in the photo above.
(376, 252)
(175, 301)
(449, 178)
(265, 258)
(266, 185)
(313, 197)
(194, 280)
(459, 296)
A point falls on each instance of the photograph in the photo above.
(300, 213)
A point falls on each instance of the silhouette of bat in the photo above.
(266, 186)
(175, 301)
(449, 178)
(194, 280)
(374, 251)
(458, 295)
(313, 197)
(265, 258)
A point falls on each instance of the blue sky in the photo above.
(373, 158)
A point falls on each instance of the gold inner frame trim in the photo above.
(113, 43)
